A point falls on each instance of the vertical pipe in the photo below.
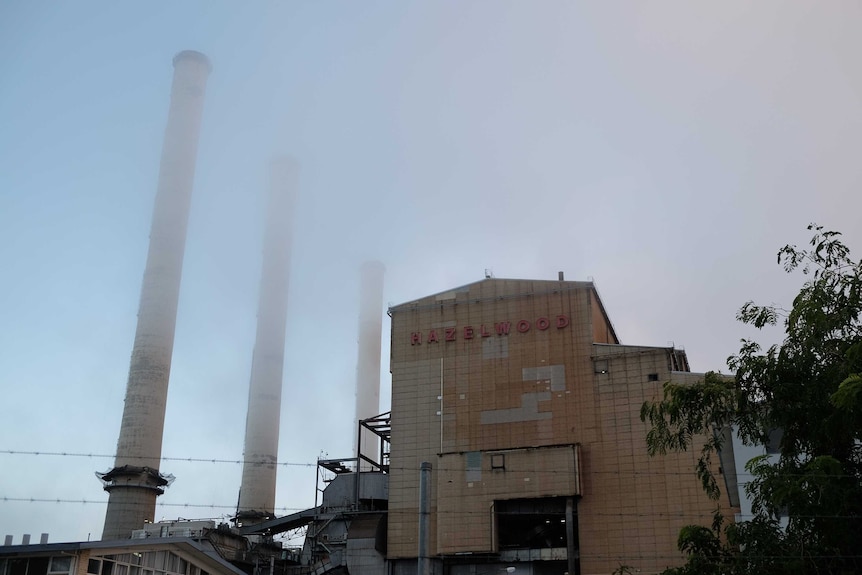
(424, 561)
(571, 544)
(260, 455)
(135, 481)
(368, 359)
(441, 405)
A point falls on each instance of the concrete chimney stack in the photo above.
(368, 362)
(257, 492)
(135, 481)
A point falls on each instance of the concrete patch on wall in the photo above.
(554, 374)
(451, 294)
(495, 348)
(529, 410)
(473, 466)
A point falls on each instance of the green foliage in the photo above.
(848, 400)
(687, 411)
(810, 387)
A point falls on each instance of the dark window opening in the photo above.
(498, 461)
(773, 443)
(28, 566)
(18, 567)
(652, 377)
(533, 523)
(38, 566)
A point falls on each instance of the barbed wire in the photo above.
(706, 515)
(158, 503)
(145, 459)
(657, 472)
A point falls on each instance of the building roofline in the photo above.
(188, 544)
(604, 312)
(634, 345)
(568, 285)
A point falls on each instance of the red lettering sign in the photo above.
(501, 328)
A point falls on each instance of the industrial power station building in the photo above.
(520, 396)
(514, 398)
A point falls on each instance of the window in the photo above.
(138, 563)
(17, 567)
(33, 566)
(532, 523)
(773, 444)
(61, 564)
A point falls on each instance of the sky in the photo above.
(666, 150)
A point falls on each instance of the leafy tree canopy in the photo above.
(810, 387)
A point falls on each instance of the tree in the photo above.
(809, 386)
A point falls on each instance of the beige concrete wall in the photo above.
(634, 505)
(531, 388)
(603, 331)
(469, 483)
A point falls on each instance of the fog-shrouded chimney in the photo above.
(260, 454)
(368, 359)
(135, 480)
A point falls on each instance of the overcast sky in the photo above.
(664, 149)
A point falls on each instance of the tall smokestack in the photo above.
(368, 362)
(135, 481)
(257, 492)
